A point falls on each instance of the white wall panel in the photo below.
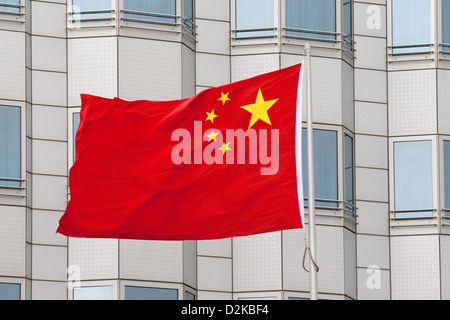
(216, 248)
(257, 262)
(96, 258)
(370, 52)
(217, 10)
(373, 217)
(445, 267)
(188, 72)
(49, 157)
(415, 267)
(49, 88)
(350, 277)
(370, 85)
(371, 118)
(49, 53)
(214, 274)
(149, 70)
(49, 290)
(43, 229)
(412, 102)
(48, 123)
(12, 240)
(212, 70)
(372, 184)
(213, 36)
(371, 151)
(12, 65)
(374, 284)
(48, 19)
(373, 250)
(243, 67)
(444, 101)
(151, 260)
(49, 263)
(190, 263)
(362, 15)
(92, 68)
(49, 192)
(348, 97)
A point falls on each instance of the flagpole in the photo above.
(311, 195)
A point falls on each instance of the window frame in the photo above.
(15, 16)
(157, 285)
(442, 207)
(24, 145)
(102, 283)
(70, 136)
(399, 221)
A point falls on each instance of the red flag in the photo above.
(217, 165)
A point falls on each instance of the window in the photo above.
(9, 291)
(255, 15)
(446, 25)
(410, 25)
(93, 293)
(10, 7)
(188, 13)
(75, 124)
(312, 19)
(10, 145)
(161, 11)
(413, 187)
(348, 175)
(447, 178)
(89, 10)
(325, 167)
(145, 293)
(189, 296)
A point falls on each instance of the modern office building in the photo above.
(381, 111)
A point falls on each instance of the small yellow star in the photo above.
(225, 147)
(211, 116)
(224, 98)
(212, 135)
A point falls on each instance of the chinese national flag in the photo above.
(223, 163)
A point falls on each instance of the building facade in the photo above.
(381, 111)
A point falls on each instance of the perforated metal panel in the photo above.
(96, 258)
(92, 68)
(257, 262)
(243, 67)
(151, 260)
(12, 240)
(415, 267)
(12, 65)
(412, 102)
(149, 70)
(444, 101)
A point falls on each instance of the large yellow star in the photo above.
(212, 135)
(211, 116)
(224, 98)
(225, 147)
(259, 109)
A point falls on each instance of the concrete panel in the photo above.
(445, 266)
(12, 239)
(415, 267)
(444, 101)
(372, 184)
(369, 19)
(373, 217)
(48, 123)
(372, 151)
(49, 157)
(49, 88)
(151, 260)
(48, 19)
(48, 53)
(371, 118)
(49, 192)
(214, 274)
(43, 229)
(257, 262)
(149, 70)
(49, 263)
(373, 250)
(49, 290)
(215, 248)
(213, 36)
(212, 70)
(92, 68)
(412, 102)
(95, 258)
(215, 10)
(370, 86)
(12, 65)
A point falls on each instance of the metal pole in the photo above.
(311, 195)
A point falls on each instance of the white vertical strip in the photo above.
(298, 143)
